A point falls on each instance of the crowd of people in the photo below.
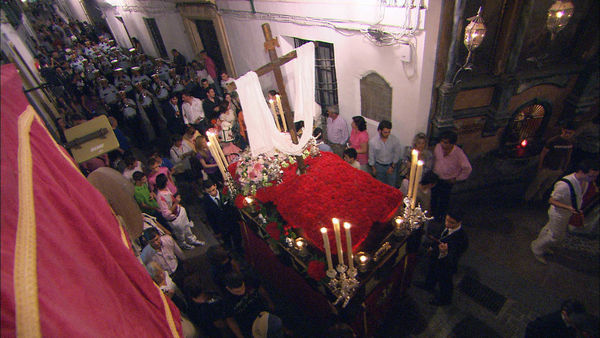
(166, 107)
(383, 156)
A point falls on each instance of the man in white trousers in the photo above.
(562, 207)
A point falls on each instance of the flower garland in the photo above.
(265, 170)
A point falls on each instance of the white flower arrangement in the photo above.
(265, 170)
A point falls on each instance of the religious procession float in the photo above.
(331, 237)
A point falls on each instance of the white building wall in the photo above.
(14, 44)
(73, 8)
(355, 55)
(167, 18)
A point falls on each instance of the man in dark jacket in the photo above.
(443, 258)
(172, 112)
(222, 216)
(179, 62)
(564, 323)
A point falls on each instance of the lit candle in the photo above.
(338, 240)
(363, 261)
(272, 104)
(327, 248)
(349, 244)
(413, 167)
(301, 246)
(278, 98)
(417, 179)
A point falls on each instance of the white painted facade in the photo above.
(334, 21)
(133, 12)
(355, 55)
(72, 8)
(15, 44)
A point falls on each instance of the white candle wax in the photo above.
(216, 157)
(213, 138)
(349, 245)
(278, 98)
(338, 240)
(272, 104)
(327, 248)
(413, 167)
(417, 179)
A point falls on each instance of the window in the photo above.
(326, 81)
(375, 98)
(156, 37)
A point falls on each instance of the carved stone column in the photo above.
(508, 84)
(445, 106)
(443, 118)
(500, 115)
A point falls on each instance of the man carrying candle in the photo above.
(443, 258)
(337, 131)
(384, 154)
(451, 165)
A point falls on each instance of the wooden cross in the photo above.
(275, 67)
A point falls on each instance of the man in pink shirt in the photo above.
(451, 165)
(209, 64)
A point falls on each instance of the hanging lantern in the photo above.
(559, 15)
(474, 32)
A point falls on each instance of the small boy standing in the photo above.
(145, 199)
(350, 155)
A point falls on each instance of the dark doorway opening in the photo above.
(208, 35)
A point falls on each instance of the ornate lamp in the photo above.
(559, 15)
(474, 34)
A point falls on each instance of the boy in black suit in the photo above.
(222, 216)
(443, 258)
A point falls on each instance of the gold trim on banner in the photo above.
(25, 266)
(168, 313)
(27, 307)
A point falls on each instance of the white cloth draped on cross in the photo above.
(263, 134)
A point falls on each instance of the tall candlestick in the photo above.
(216, 157)
(220, 150)
(215, 140)
(275, 116)
(338, 240)
(417, 179)
(349, 245)
(413, 167)
(217, 160)
(283, 121)
(327, 248)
